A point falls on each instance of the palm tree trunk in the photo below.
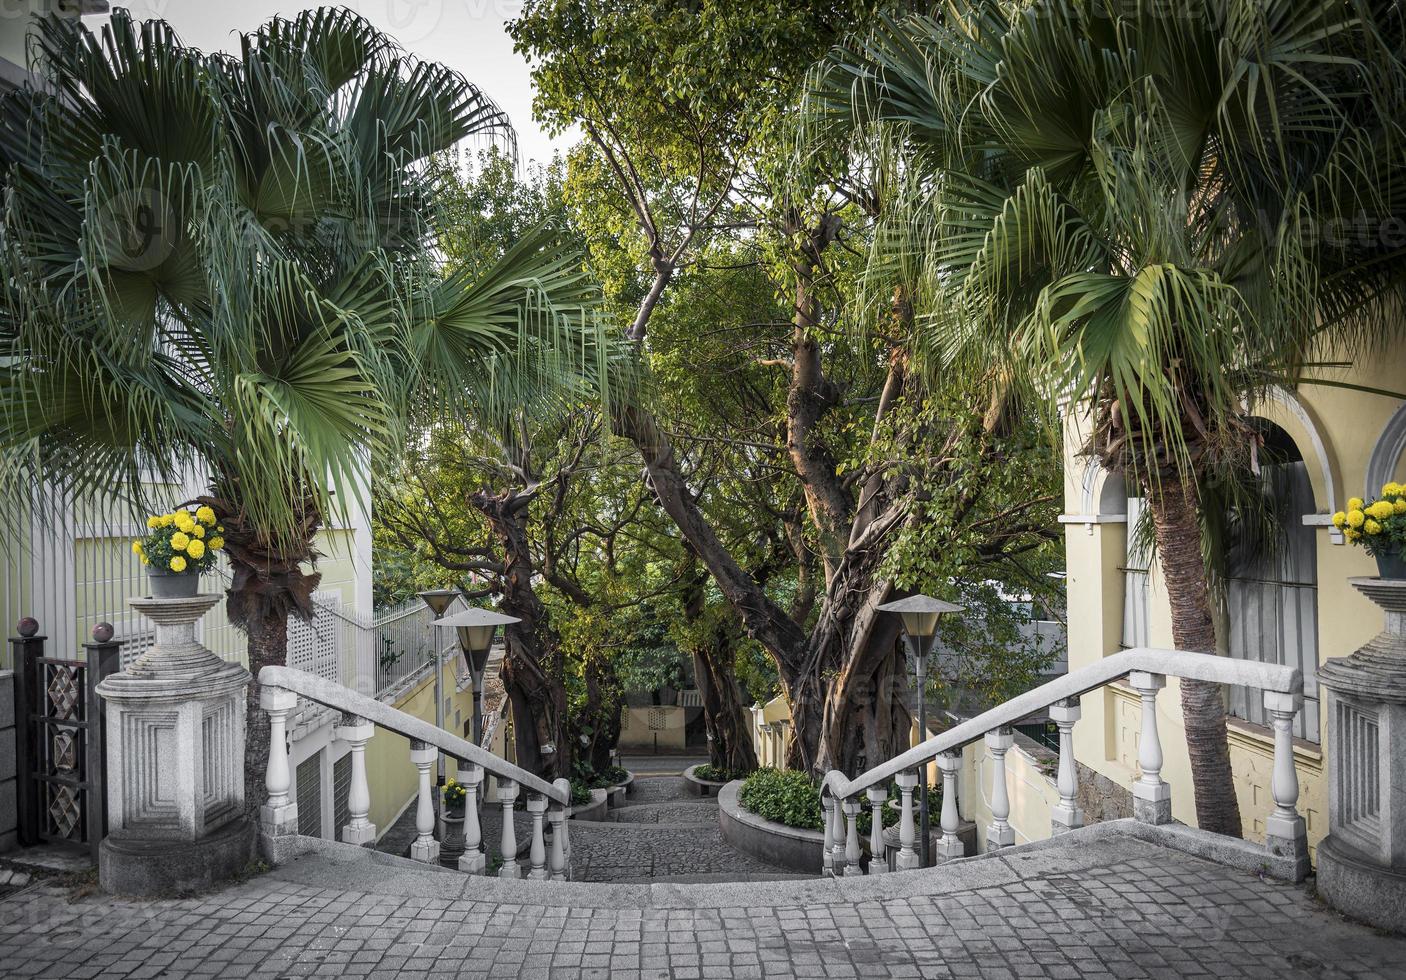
(1173, 507)
(268, 644)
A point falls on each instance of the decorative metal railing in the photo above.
(1147, 671)
(280, 690)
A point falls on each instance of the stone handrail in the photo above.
(1147, 670)
(280, 688)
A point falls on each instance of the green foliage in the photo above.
(580, 792)
(784, 796)
(714, 774)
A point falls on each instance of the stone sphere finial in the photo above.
(102, 632)
(27, 626)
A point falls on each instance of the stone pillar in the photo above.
(1066, 815)
(1152, 796)
(356, 732)
(175, 761)
(1362, 861)
(999, 832)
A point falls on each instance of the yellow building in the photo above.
(1295, 607)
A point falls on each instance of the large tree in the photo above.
(222, 264)
(1159, 213)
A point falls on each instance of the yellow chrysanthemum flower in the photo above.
(1392, 490)
(1351, 534)
(184, 523)
(1355, 518)
(178, 563)
(205, 515)
(167, 520)
(198, 531)
(179, 541)
(136, 547)
(153, 522)
(1381, 510)
(1340, 520)
(216, 543)
(196, 549)
(1354, 503)
(1399, 506)
(1372, 527)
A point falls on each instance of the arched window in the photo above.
(1272, 586)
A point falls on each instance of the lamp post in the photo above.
(476, 629)
(920, 614)
(438, 600)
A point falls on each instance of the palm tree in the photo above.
(1143, 206)
(226, 264)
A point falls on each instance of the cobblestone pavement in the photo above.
(694, 811)
(1123, 910)
(658, 789)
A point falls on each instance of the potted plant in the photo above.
(177, 548)
(453, 815)
(1380, 528)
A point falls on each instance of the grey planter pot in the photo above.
(1391, 566)
(173, 585)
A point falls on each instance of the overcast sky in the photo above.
(466, 35)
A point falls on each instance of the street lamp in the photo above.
(476, 629)
(438, 600)
(920, 614)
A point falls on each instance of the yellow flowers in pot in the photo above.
(181, 542)
(1379, 527)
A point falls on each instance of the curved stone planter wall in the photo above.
(700, 787)
(594, 810)
(788, 847)
(620, 790)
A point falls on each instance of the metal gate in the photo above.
(59, 742)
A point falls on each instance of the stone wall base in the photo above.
(1355, 886)
(167, 869)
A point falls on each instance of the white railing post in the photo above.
(1152, 797)
(556, 857)
(279, 816)
(950, 846)
(1285, 833)
(878, 859)
(507, 796)
(356, 732)
(424, 848)
(1066, 815)
(537, 856)
(472, 861)
(907, 857)
(852, 853)
(999, 833)
(830, 807)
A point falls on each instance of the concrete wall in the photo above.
(1336, 431)
(655, 726)
(9, 813)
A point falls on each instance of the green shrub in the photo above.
(580, 792)
(784, 796)
(714, 774)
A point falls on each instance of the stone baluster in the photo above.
(827, 847)
(1066, 815)
(537, 856)
(907, 857)
(356, 732)
(507, 796)
(998, 832)
(878, 799)
(279, 816)
(852, 852)
(472, 861)
(1285, 833)
(1152, 797)
(950, 846)
(425, 847)
(556, 858)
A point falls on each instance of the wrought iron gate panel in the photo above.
(59, 736)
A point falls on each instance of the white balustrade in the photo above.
(878, 799)
(556, 859)
(827, 848)
(1066, 815)
(852, 852)
(1152, 797)
(950, 846)
(473, 860)
(1285, 832)
(907, 857)
(356, 732)
(424, 848)
(537, 855)
(507, 796)
(998, 832)
(279, 816)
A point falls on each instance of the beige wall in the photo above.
(661, 726)
(1335, 430)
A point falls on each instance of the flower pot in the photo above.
(173, 585)
(1391, 566)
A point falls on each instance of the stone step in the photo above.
(672, 812)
